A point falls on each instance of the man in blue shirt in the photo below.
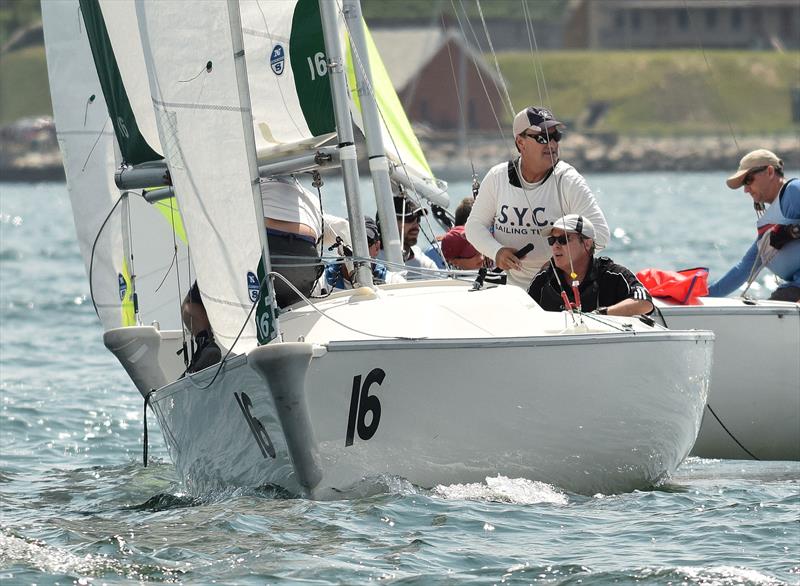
(777, 243)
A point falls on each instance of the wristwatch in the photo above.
(602, 310)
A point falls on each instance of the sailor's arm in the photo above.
(481, 219)
(628, 307)
(634, 297)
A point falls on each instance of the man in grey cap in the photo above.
(777, 242)
(523, 196)
(575, 277)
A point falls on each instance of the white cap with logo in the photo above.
(572, 223)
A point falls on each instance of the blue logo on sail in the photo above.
(123, 286)
(252, 286)
(277, 59)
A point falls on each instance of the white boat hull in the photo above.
(575, 410)
(754, 398)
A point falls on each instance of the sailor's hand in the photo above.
(506, 260)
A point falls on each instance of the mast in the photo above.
(346, 145)
(266, 320)
(378, 163)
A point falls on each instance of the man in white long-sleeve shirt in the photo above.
(521, 197)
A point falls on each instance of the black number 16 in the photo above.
(361, 402)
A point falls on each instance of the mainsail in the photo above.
(190, 61)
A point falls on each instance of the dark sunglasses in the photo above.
(749, 178)
(562, 240)
(410, 218)
(545, 137)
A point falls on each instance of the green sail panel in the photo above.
(309, 64)
(132, 144)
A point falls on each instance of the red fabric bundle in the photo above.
(683, 286)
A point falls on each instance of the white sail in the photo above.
(287, 75)
(87, 146)
(132, 248)
(190, 62)
(120, 20)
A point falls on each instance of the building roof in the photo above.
(406, 51)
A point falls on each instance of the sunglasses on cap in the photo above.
(545, 137)
(562, 240)
(750, 177)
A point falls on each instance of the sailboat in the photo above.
(753, 407)
(436, 382)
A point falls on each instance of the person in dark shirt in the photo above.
(603, 286)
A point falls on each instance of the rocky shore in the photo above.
(616, 154)
(588, 153)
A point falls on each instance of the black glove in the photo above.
(784, 234)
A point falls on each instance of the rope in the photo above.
(738, 443)
(708, 405)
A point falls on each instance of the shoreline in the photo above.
(600, 153)
(616, 154)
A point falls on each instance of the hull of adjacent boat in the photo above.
(754, 398)
(577, 411)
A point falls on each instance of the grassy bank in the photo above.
(664, 92)
(659, 93)
(24, 90)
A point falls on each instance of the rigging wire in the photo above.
(711, 73)
(477, 67)
(184, 346)
(759, 263)
(94, 245)
(531, 42)
(494, 56)
(371, 91)
(461, 99)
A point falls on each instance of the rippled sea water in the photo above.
(76, 505)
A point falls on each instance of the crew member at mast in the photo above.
(293, 219)
(523, 196)
(777, 243)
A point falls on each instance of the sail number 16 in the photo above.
(319, 66)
